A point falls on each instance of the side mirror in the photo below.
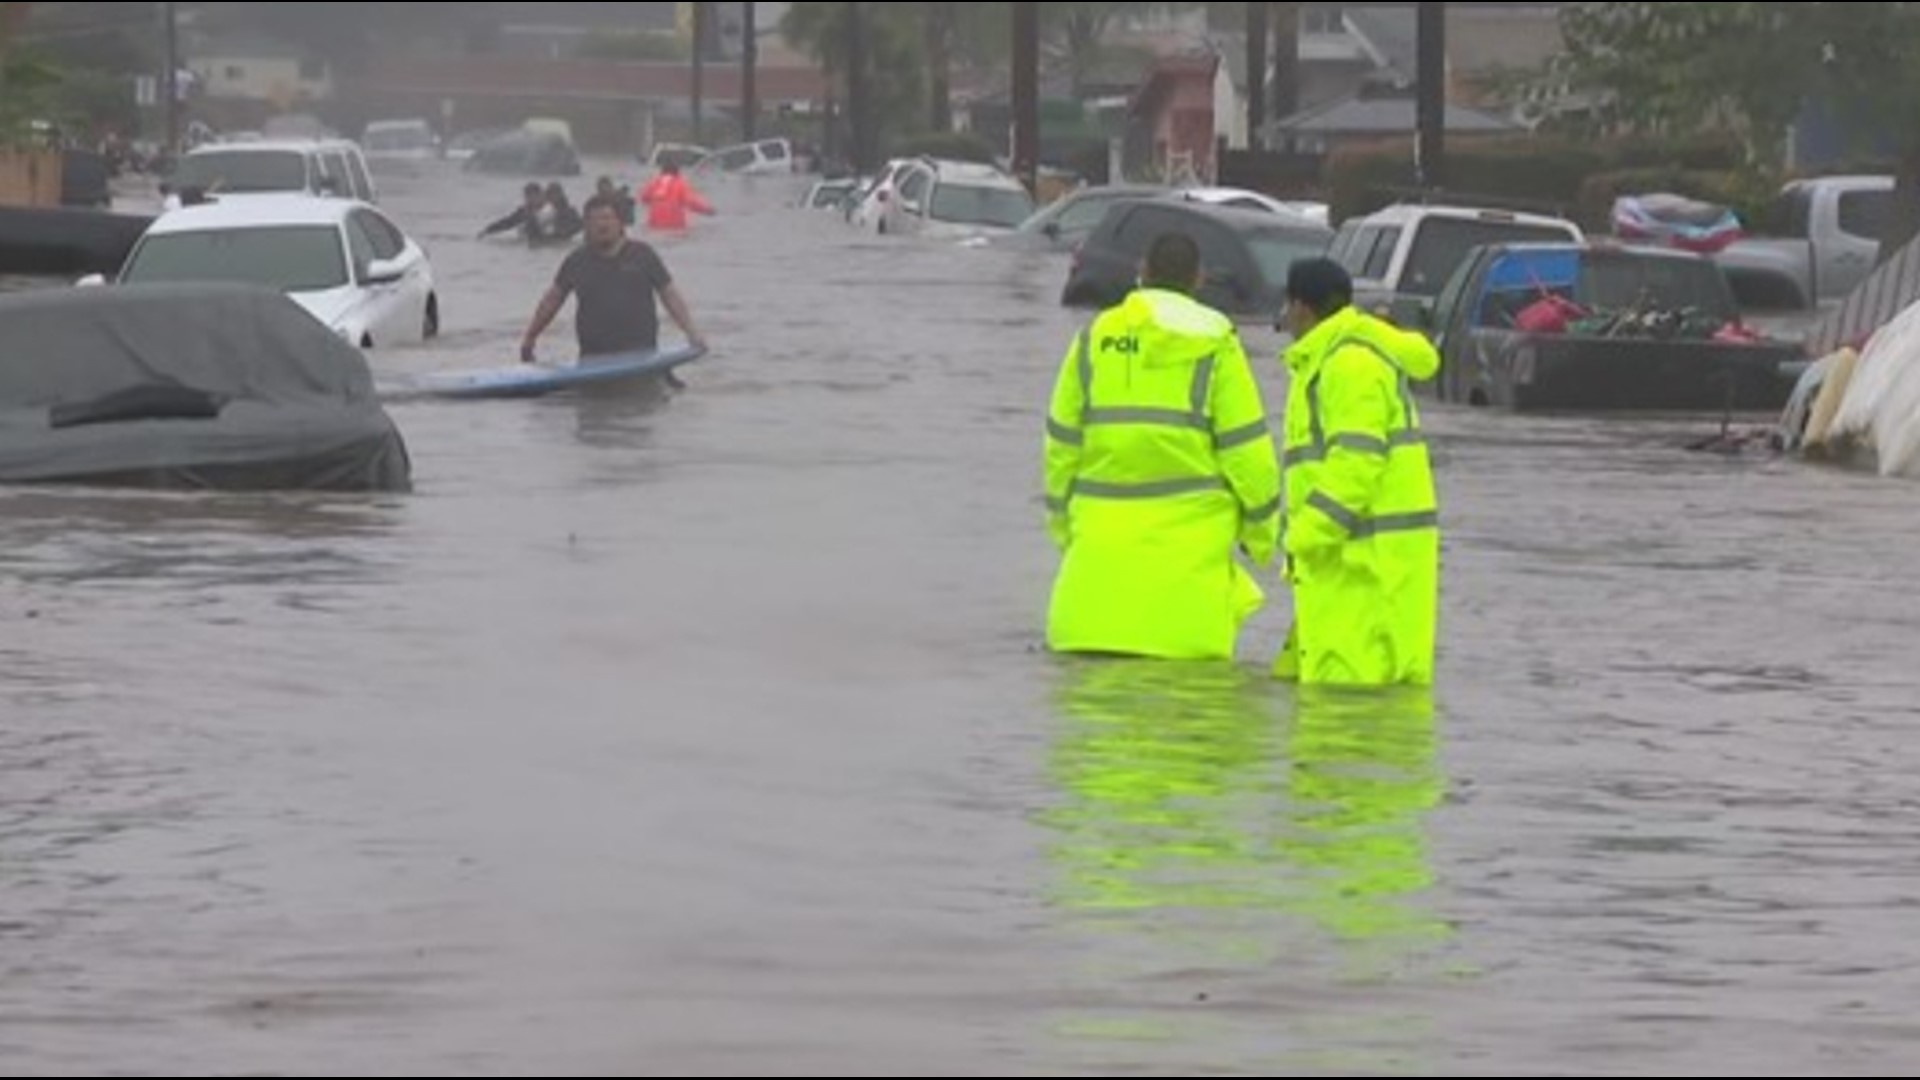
(383, 272)
(91, 281)
(911, 207)
(1052, 229)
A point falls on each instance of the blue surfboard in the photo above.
(534, 380)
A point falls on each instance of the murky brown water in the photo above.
(712, 738)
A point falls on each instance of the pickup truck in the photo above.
(1401, 256)
(1827, 241)
(1659, 332)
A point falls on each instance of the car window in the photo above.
(242, 171)
(1136, 233)
(294, 258)
(1353, 245)
(360, 247)
(1380, 260)
(1865, 214)
(913, 187)
(386, 239)
(362, 183)
(1276, 250)
(1082, 214)
(1442, 244)
(979, 204)
(334, 177)
(774, 151)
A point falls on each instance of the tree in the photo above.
(1075, 33)
(896, 41)
(1753, 67)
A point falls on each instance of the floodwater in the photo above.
(713, 737)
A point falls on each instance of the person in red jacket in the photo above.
(669, 197)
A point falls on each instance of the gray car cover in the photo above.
(187, 386)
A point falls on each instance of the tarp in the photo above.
(1675, 221)
(115, 385)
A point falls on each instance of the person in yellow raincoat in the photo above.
(1158, 465)
(1362, 533)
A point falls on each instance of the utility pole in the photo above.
(170, 79)
(749, 72)
(700, 15)
(1257, 32)
(859, 95)
(1026, 95)
(1285, 91)
(1430, 146)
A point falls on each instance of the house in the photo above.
(247, 68)
(1177, 116)
(1347, 48)
(1375, 112)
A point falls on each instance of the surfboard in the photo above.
(534, 380)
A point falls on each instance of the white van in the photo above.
(768, 157)
(330, 167)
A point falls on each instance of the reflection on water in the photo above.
(1202, 786)
(1225, 837)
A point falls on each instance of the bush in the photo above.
(1547, 174)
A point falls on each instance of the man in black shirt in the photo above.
(616, 279)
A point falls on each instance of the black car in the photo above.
(1069, 220)
(1243, 253)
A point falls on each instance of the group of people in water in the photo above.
(546, 216)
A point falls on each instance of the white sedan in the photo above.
(342, 260)
(1243, 199)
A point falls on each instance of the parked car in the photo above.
(327, 167)
(1066, 222)
(342, 260)
(1401, 257)
(953, 199)
(525, 153)
(1824, 239)
(1598, 327)
(1244, 254)
(187, 386)
(1243, 199)
(767, 157)
(400, 140)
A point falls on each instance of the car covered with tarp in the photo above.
(188, 386)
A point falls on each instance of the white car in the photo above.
(400, 140)
(953, 200)
(1243, 199)
(342, 260)
(330, 167)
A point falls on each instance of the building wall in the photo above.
(256, 78)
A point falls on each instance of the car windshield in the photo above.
(967, 204)
(242, 171)
(291, 258)
(399, 138)
(1277, 249)
(1443, 243)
